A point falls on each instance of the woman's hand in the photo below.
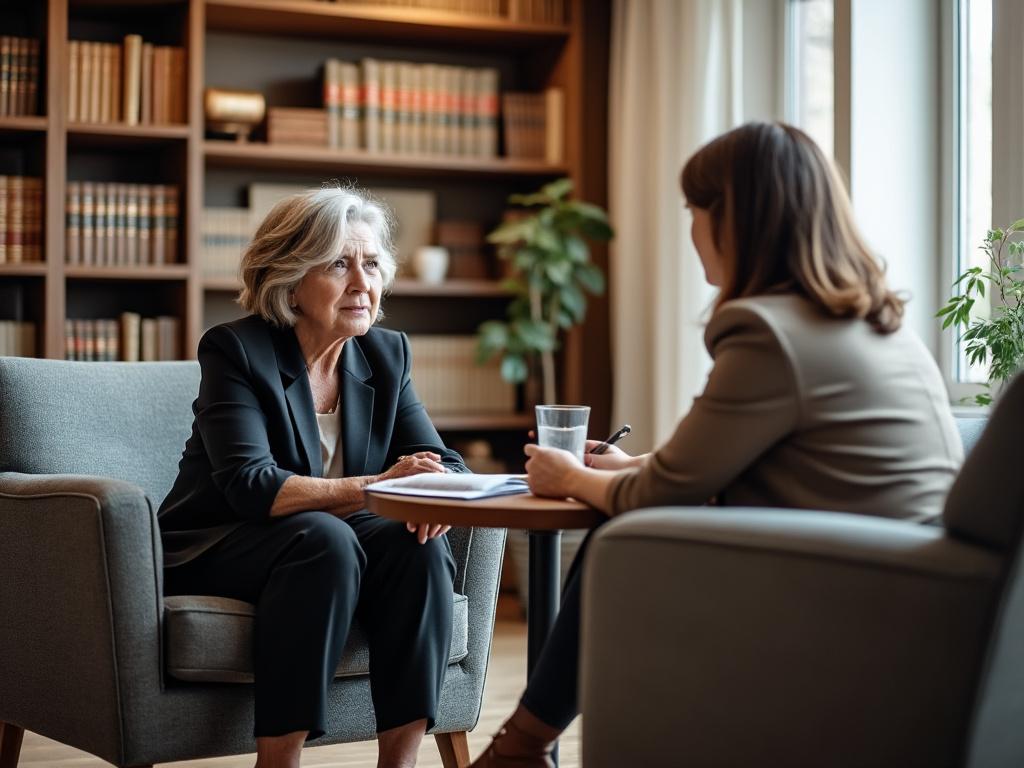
(614, 458)
(550, 471)
(425, 531)
(414, 464)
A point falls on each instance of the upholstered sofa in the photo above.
(91, 653)
(794, 638)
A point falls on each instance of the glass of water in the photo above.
(563, 426)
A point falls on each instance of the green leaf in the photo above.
(574, 302)
(586, 210)
(547, 239)
(492, 338)
(597, 230)
(590, 277)
(517, 231)
(576, 249)
(1017, 226)
(558, 272)
(557, 189)
(514, 369)
(535, 335)
(534, 198)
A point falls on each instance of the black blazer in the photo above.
(255, 426)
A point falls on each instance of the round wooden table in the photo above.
(545, 519)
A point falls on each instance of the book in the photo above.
(132, 78)
(457, 485)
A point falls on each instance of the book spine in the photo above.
(145, 224)
(74, 222)
(4, 181)
(88, 222)
(121, 194)
(112, 227)
(332, 102)
(171, 208)
(106, 77)
(95, 78)
(84, 80)
(131, 232)
(5, 74)
(132, 79)
(32, 94)
(371, 101)
(15, 219)
(146, 85)
(554, 125)
(158, 234)
(74, 63)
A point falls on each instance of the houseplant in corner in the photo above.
(549, 257)
(994, 336)
(551, 269)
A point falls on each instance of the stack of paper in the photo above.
(462, 485)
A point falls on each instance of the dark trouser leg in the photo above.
(303, 573)
(552, 691)
(406, 610)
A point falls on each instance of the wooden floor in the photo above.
(505, 680)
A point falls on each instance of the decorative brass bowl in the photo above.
(233, 112)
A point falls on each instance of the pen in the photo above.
(620, 433)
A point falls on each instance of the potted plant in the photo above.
(994, 336)
(549, 258)
(551, 271)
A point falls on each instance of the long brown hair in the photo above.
(782, 221)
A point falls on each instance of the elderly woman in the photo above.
(818, 398)
(302, 404)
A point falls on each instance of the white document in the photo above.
(456, 485)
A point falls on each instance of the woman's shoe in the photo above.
(524, 741)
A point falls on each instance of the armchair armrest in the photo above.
(80, 601)
(478, 555)
(749, 637)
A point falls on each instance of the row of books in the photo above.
(448, 379)
(21, 219)
(225, 234)
(396, 106)
(121, 224)
(17, 339)
(131, 338)
(19, 76)
(535, 125)
(538, 11)
(133, 82)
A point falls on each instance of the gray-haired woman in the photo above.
(301, 405)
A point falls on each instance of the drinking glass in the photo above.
(563, 426)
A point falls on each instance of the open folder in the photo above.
(462, 485)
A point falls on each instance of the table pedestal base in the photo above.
(545, 589)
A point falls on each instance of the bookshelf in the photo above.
(278, 47)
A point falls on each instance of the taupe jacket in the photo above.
(806, 411)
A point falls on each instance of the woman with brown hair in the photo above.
(818, 398)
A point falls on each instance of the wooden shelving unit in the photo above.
(378, 23)
(321, 159)
(302, 33)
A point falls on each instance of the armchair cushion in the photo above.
(209, 639)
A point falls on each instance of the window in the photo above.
(810, 88)
(972, 174)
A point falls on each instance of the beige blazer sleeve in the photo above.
(750, 403)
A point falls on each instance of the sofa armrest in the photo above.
(756, 637)
(80, 600)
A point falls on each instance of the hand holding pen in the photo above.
(605, 455)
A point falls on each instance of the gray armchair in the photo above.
(793, 638)
(91, 654)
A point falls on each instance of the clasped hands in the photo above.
(415, 464)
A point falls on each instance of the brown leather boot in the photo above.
(524, 741)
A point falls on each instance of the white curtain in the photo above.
(676, 81)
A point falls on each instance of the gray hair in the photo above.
(303, 232)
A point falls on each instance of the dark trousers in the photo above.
(309, 575)
(552, 690)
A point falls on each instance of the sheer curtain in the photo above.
(676, 81)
